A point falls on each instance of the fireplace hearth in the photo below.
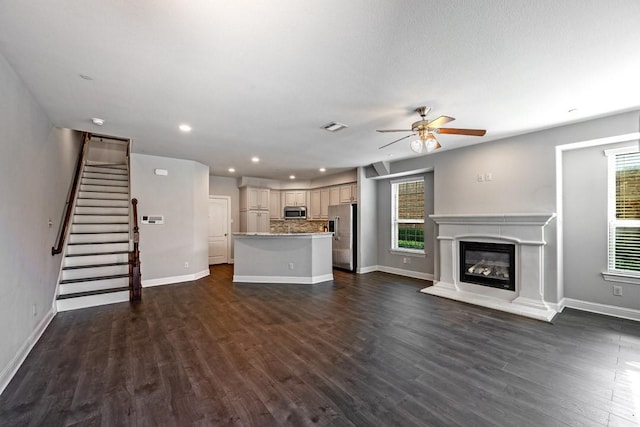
(488, 264)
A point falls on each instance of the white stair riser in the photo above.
(104, 188)
(102, 210)
(76, 261)
(110, 171)
(99, 228)
(115, 203)
(109, 176)
(100, 219)
(93, 285)
(102, 195)
(106, 182)
(98, 238)
(87, 273)
(91, 301)
(97, 248)
(121, 164)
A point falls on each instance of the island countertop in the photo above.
(303, 258)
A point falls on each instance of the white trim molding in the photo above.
(608, 310)
(175, 279)
(10, 370)
(297, 280)
(405, 273)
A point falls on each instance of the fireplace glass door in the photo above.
(488, 264)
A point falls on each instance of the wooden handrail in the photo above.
(135, 279)
(67, 216)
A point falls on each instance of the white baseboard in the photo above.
(175, 279)
(609, 310)
(10, 370)
(284, 279)
(364, 270)
(406, 273)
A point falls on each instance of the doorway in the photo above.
(219, 214)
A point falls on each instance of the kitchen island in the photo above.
(303, 258)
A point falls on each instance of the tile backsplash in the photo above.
(296, 225)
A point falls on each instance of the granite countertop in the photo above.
(318, 233)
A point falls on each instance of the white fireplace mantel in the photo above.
(525, 231)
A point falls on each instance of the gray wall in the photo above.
(182, 197)
(524, 180)
(395, 260)
(37, 162)
(585, 230)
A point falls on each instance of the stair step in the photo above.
(113, 203)
(91, 272)
(90, 299)
(97, 237)
(100, 228)
(105, 182)
(80, 260)
(101, 210)
(100, 219)
(93, 285)
(121, 165)
(97, 248)
(107, 170)
(94, 279)
(104, 188)
(105, 175)
(103, 195)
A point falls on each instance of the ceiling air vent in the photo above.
(334, 126)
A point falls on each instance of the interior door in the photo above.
(218, 230)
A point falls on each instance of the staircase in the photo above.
(95, 268)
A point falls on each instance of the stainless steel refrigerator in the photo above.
(342, 222)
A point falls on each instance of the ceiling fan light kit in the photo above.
(424, 129)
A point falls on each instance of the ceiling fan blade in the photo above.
(452, 131)
(393, 142)
(436, 123)
(393, 130)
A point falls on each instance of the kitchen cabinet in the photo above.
(252, 198)
(319, 204)
(275, 207)
(334, 195)
(295, 198)
(254, 221)
(348, 193)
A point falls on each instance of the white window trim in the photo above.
(421, 253)
(613, 275)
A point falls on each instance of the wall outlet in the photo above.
(34, 310)
(488, 176)
(480, 177)
(186, 264)
(617, 290)
(406, 260)
(290, 266)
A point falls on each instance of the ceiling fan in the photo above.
(425, 130)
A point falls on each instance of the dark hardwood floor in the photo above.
(361, 350)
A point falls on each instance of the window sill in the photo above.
(409, 252)
(621, 277)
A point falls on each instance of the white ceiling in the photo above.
(261, 78)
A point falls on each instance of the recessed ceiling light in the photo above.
(184, 128)
(84, 76)
(334, 126)
(322, 170)
(255, 159)
(231, 170)
(292, 177)
(98, 122)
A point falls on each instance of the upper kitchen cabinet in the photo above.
(349, 193)
(275, 207)
(252, 198)
(334, 195)
(319, 208)
(294, 198)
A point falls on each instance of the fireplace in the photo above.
(488, 264)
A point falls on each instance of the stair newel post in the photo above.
(135, 283)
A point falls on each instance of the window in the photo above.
(407, 215)
(624, 212)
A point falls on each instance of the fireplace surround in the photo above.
(524, 232)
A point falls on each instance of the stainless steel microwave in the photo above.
(295, 212)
